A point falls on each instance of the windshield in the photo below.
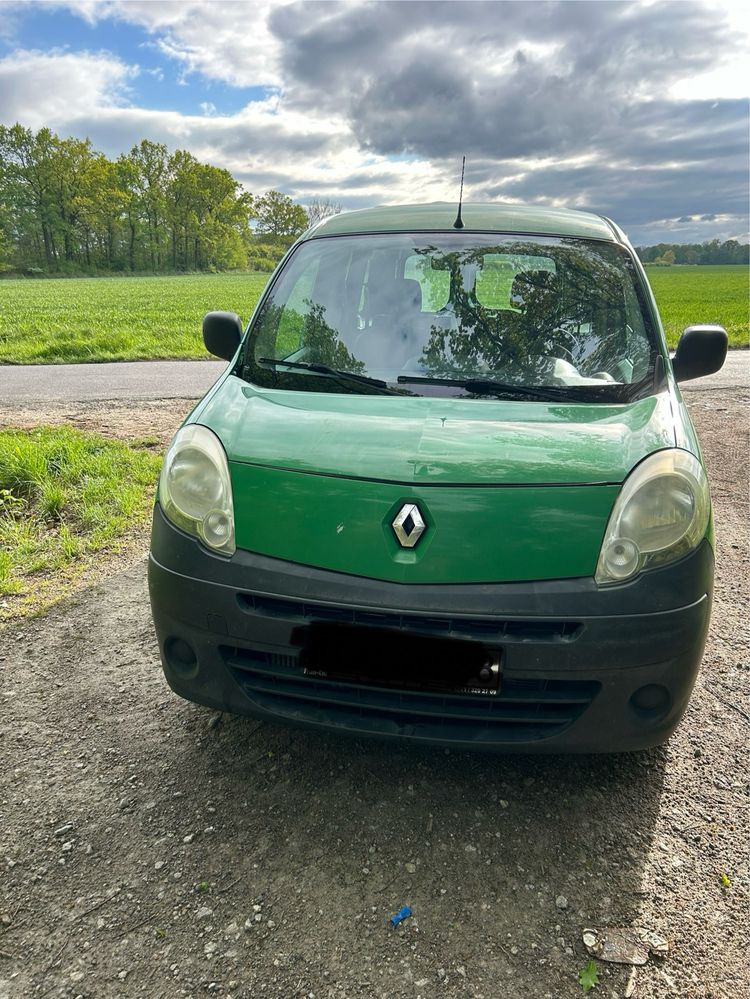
(456, 314)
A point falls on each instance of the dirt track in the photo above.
(150, 849)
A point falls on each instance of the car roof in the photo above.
(440, 216)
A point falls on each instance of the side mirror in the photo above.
(701, 351)
(222, 332)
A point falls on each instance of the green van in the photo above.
(446, 491)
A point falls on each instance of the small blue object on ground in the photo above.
(400, 916)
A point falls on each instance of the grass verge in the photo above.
(65, 496)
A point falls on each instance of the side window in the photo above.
(436, 285)
(494, 281)
(493, 288)
(292, 318)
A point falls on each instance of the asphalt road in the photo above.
(148, 380)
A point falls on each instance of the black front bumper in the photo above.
(572, 655)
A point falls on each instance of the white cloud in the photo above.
(598, 105)
(44, 88)
(228, 41)
(728, 77)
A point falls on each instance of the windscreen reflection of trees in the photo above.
(543, 321)
(284, 331)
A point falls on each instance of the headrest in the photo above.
(408, 295)
(395, 297)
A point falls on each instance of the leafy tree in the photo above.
(712, 251)
(666, 259)
(66, 207)
(277, 215)
(150, 162)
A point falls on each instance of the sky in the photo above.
(635, 110)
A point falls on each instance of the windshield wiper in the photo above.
(479, 386)
(323, 369)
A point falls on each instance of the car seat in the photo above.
(395, 326)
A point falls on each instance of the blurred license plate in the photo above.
(390, 658)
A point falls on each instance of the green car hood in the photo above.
(509, 490)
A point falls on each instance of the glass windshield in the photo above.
(456, 314)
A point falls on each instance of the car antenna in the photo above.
(459, 223)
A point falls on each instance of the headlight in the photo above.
(195, 491)
(661, 514)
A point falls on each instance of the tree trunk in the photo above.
(131, 247)
(48, 255)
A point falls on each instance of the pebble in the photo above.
(561, 902)
(411, 868)
(122, 975)
(188, 838)
(204, 912)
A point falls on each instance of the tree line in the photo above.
(711, 252)
(66, 208)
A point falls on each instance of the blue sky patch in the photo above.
(162, 84)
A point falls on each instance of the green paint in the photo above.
(436, 441)
(473, 534)
(510, 490)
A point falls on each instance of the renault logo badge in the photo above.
(409, 526)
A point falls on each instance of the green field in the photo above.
(132, 318)
(716, 294)
(56, 320)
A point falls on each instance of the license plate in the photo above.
(390, 658)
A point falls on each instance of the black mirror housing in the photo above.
(701, 350)
(222, 333)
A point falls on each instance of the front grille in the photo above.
(298, 612)
(525, 709)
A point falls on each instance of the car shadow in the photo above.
(502, 859)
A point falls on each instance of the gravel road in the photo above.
(137, 380)
(151, 848)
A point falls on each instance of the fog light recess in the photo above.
(181, 657)
(651, 702)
